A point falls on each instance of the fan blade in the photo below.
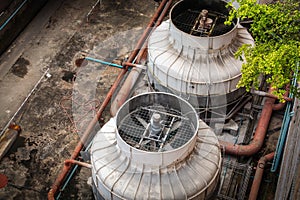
(142, 121)
(167, 147)
(175, 126)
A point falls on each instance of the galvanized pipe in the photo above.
(135, 73)
(76, 162)
(266, 94)
(258, 175)
(125, 90)
(56, 185)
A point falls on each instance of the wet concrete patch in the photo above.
(69, 76)
(20, 142)
(20, 67)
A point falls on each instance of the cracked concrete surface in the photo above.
(51, 41)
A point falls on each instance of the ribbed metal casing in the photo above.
(121, 171)
(193, 66)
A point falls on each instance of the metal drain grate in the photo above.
(234, 180)
(188, 19)
(171, 132)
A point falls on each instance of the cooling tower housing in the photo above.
(197, 62)
(155, 148)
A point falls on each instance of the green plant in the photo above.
(275, 29)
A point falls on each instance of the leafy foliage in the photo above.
(276, 31)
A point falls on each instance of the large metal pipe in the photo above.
(259, 174)
(135, 73)
(86, 135)
(286, 96)
(259, 136)
(278, 106)
(281, 105)
(260, 132)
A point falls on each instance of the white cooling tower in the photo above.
(192, 54)
(155, 148)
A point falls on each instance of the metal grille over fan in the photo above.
(192, 55)
(189, 21)
(156, 128)
(156, 122)
(154, 146)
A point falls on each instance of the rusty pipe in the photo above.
(161, 17)
(60, 178)
(281, 105)
(278, 106)
(259, 136)
(260, 132)
(125, 90)
(135, 73)
(146, 32)
(76, 162)
(129, 64)
(258, 175)
(56, 185)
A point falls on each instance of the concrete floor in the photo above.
(51, 41)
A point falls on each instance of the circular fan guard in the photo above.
(156, 122)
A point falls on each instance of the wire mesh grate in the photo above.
(235, 177)
(176, 130)
(187, 20)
